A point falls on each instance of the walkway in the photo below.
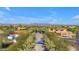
(39, 42)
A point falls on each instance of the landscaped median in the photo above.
(53, 42)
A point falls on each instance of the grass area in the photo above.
(53, 41)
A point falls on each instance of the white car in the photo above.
(10, 37)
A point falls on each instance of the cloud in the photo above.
(7, 8)
(76, 17)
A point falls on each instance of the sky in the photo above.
(44, 15)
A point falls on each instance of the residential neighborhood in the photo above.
(39, 29)
(37, 38)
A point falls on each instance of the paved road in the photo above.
(39, 42)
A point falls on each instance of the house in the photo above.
(63, 33)
(51, 30)
(67, 34)
(13, 35)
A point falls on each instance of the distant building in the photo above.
(21, 28)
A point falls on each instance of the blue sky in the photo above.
(47, 15)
